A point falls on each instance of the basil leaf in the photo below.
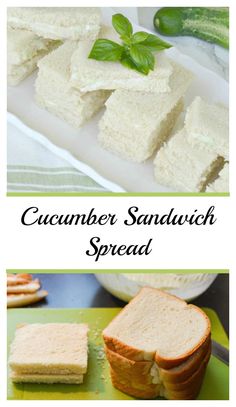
(139, 36)
(127, 62)
(122, 25)
(106, 50)
(154, 43)
(126, 39)
(142, 57)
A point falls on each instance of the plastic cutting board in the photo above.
(97, 384)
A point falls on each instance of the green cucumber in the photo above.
(207, 23)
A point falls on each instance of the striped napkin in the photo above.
(33, 168)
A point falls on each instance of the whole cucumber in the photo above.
(207, 23)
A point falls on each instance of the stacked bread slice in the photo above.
(49, 353)
(58, 23)
(34, 32)
(55, 93)
(24, 50)
(89, 74)
(136, 124)
(158, 346)
(193, 158)
(23, 290)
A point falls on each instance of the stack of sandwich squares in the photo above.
(142, 110)
(194, 157)
(24, 50)
(158, 345)
(88, 74)
(54, 92)
(43, 26)
(35, 31)
(49, 353)
(136, 124)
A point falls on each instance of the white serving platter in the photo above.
(80, 147)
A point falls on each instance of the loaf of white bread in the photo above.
(158, 345)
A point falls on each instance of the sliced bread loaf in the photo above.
(148, 372)
(157, 326)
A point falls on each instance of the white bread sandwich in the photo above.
(42, 350)
(57, 23)
(89, 75)
(185, 167)
(136, 124)
(208, 126)
(24, 50)
(146, 359)
(48, 379)
(54, 92)
(221, 184)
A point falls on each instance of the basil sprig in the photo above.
(135, 51)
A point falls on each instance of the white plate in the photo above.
(111, 172)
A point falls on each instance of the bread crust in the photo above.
(136, 372)
(185, 391)
(125, 386)
(141, 370)
(188, 367)
(135, 354)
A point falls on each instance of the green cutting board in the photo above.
(97, 384)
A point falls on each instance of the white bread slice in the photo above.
(15, 279)
(21, 300)
(61, 23)
(207, 126)
(140, 390)
(54, 92)
(50, 349)
(184, 167)
(143, 330)
(136, 124)
(48, 379)
(148, 372)
(88, 74)
(24, 50)
(134, 146)
(221, 184)
(28, 288)
(181, 391)
(190, 389)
